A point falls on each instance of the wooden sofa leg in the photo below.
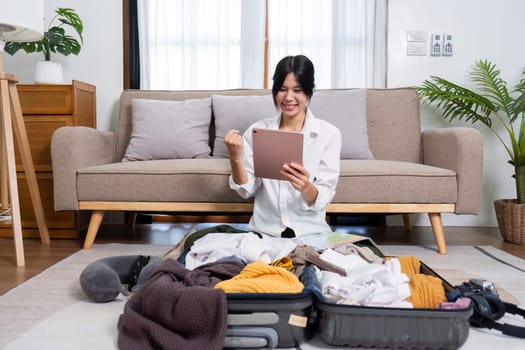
(406, 222)
(94, 225)
(439, 234)
(132, 219)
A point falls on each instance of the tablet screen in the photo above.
(273, 148)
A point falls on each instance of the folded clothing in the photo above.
(259, 277)
(426, 291)
(284, 262)
(381, 285)
(410, 265)
(248, 246)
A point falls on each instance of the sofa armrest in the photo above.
(459, 149)
(73, 148)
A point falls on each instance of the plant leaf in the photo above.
(456, 101)
(71, 18)
(487, 76)
(55, 38)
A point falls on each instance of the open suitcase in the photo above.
(361, 326)
(267, 320)
(263, 320)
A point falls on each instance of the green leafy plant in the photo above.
(491, 105)
(55, 39)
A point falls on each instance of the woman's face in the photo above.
(291, 98)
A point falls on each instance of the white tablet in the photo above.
(274, 148)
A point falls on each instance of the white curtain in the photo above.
(345, 39)
(201, 44)
(219, 44)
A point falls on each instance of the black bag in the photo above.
(488, 307)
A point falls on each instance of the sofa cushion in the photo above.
(190, 180)
(346, 109)
(237, 112)
(206, 180)
(385, 181)
(169, 129)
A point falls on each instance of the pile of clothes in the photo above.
(183, 304)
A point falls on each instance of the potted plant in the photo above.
(55, 40)
(503, 113)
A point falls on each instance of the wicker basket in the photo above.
(511, 220)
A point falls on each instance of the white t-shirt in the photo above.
(277, 205)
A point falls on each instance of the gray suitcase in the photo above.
(268, 320)
(361, 326)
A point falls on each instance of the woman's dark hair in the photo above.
(303, 69)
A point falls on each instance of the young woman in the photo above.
(295, 207)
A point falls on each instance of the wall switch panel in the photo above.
(435, 45)
(447, 45)
(416, 36)
(416, 49)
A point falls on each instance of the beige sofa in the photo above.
(413, 171)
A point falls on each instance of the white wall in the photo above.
(100, 59)
(481, 29)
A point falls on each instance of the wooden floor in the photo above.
(39, 257)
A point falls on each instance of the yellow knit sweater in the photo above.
(426, 291)
(259, 277)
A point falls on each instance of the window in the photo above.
(220, 44)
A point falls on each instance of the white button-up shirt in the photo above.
(277, 205)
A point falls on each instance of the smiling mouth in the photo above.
(289, 106)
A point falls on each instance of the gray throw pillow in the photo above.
(238, 112)
(346, 109)
(169, 129)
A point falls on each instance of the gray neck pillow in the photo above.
(104, 279)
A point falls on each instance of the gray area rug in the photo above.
(50, 311)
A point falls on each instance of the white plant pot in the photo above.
(48, 72)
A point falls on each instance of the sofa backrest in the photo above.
(393, 122)
(394, 129)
